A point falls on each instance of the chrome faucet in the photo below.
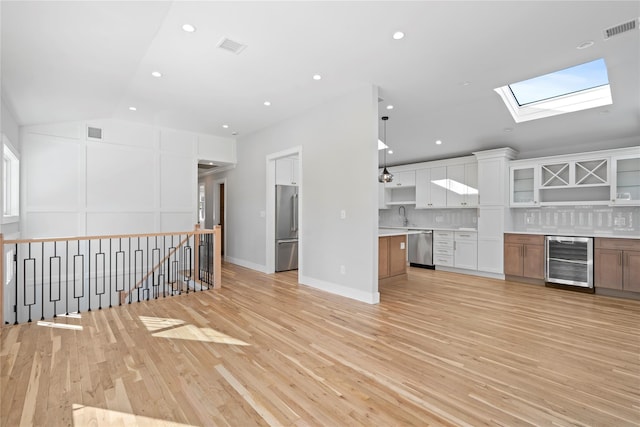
(403, 213)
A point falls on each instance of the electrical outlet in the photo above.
(343, 269)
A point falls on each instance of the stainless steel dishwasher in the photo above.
(421, 248)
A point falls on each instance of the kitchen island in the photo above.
(392, 253)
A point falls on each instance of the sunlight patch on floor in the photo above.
(178, 329)
(59, 325)
(92, 416)
(191, 332)
(157, 323)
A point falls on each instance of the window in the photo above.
(11, 181)
(572, 89)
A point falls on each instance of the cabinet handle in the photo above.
(524, 251)
(454, 246)
(620, 259)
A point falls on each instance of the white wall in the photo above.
(339, 172)
(137, 179)
(9, 127)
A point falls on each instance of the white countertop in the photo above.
(398, 231)
(427, 228)
(385, 232)
(574, 234)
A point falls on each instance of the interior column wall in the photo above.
(339, 173)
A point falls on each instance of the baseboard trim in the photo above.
(334, 288)
(246, 264)
(471, 272)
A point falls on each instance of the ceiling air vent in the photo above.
(95, 133)
(231, 45)
(619, 29)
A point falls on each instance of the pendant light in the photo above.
(386, 176)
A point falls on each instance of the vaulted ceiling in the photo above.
(79, 60)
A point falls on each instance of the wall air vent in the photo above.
(94, 133)
(231, 46)
(622, 28)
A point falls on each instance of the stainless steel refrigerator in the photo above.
(286, 227)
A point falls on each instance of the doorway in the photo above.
(272, 180)
(221, 211)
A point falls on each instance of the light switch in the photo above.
(343, 214)
(401, 245)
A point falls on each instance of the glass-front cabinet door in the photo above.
(524, 186)
(625, 182)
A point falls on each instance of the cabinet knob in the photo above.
(613, 200)
(399, 184)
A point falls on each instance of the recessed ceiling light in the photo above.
(267, 103)
(132, 108)
(507, 129)
(225, 126)
(390, 151)
(389, 107)
(188, 28)
(234, 133)
(398, 35)
(156, 74)
(438, 142)
(317, 77)
(465, 83)
(585, 44)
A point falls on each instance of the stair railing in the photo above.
(54, 276)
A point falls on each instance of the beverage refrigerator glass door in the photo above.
(569, 260)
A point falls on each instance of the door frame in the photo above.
(216, 204)
(270, 213)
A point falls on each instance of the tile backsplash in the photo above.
(435, 218)
(616, 221)
(567, 220)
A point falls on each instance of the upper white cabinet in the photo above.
(462, 185)
(400, 191)
(610, 177)
(429, 194)
(582, 173)
(524, 186)
(625, 180)
(402, 179)
(287, 171)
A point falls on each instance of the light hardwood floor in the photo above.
(439, 349)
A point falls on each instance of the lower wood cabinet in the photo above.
(617, 264)
(392, 256)
(524, 255)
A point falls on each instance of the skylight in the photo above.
(572, 89)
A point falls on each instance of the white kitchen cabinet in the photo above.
(625, 180)
(462, 185)
(443, 248)
(465, 245)
(523, 186)
(287, 171)
(429, 194)
(402, 179)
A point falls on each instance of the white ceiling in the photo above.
(80, 60)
